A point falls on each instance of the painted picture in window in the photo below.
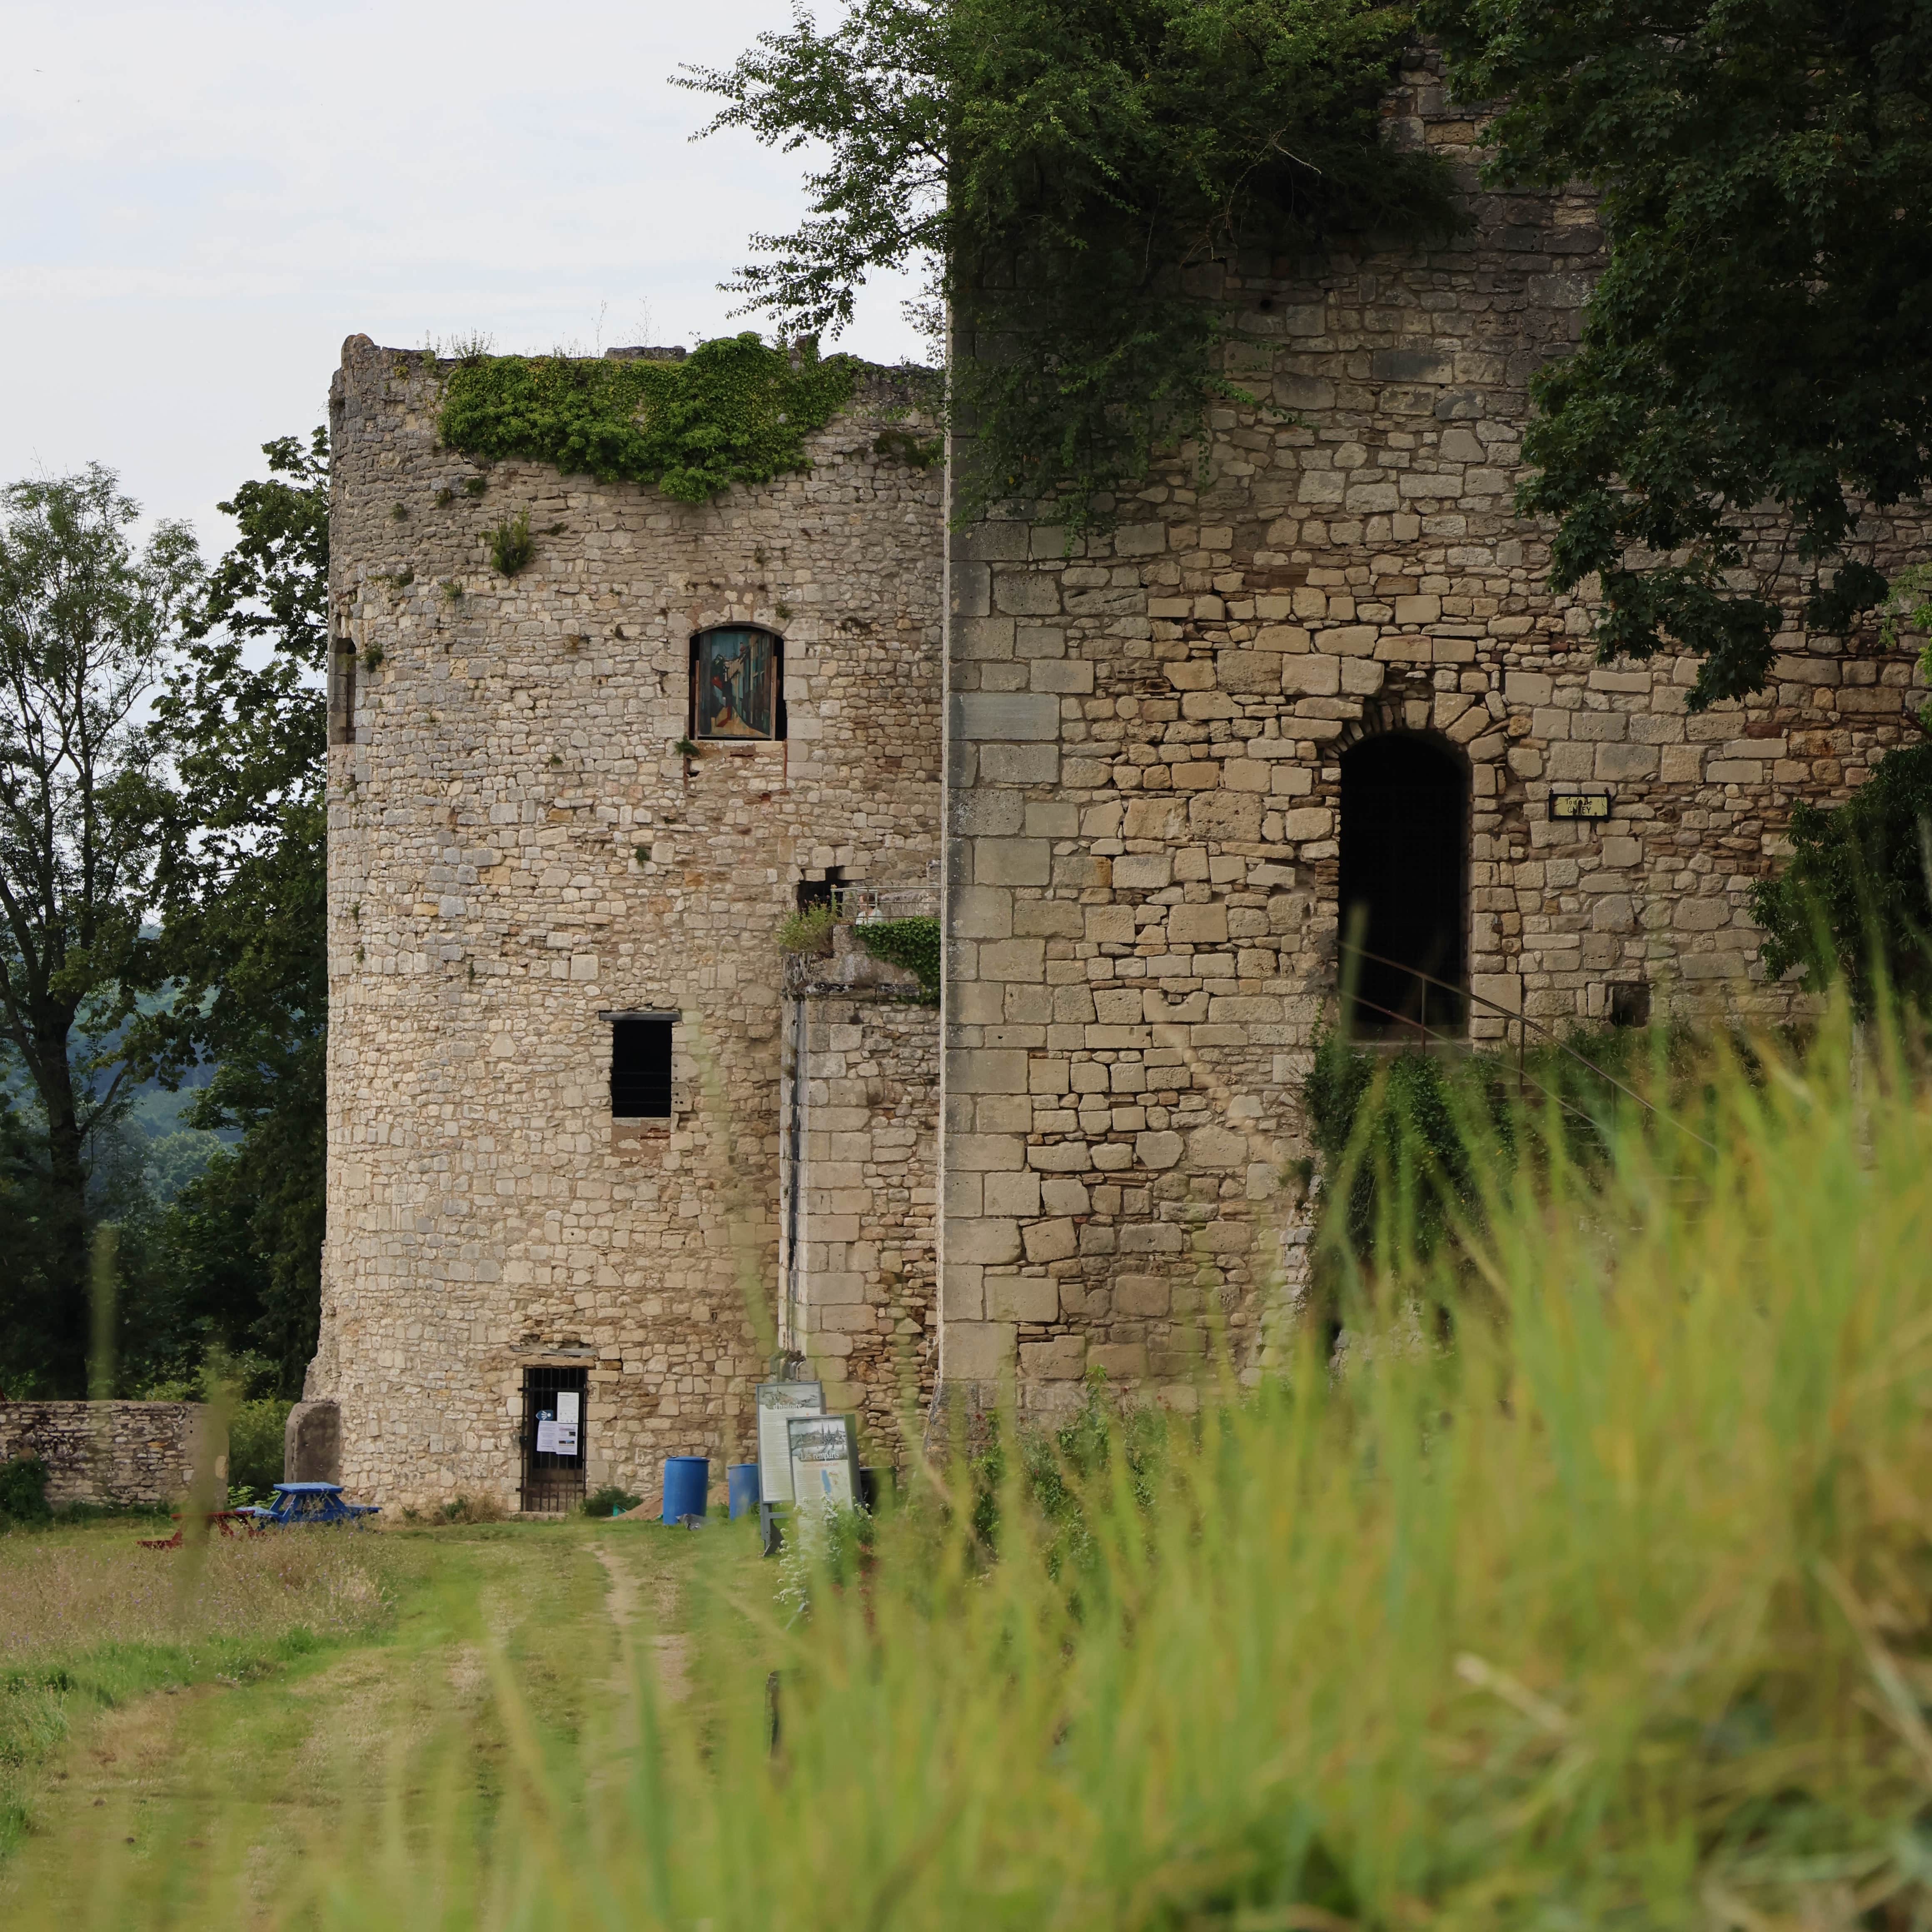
(737, 694)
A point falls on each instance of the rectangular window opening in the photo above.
(640, 1087)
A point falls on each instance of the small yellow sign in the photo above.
(1580, 804)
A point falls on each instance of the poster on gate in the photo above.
(777, 1403)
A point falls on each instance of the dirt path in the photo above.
(671, 1650)
(245, 1776)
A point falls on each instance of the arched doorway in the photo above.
(1405, 860)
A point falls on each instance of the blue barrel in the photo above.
(686, 1479)
(741, 1479)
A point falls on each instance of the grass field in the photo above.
(1593, 1589)
(223, 1725)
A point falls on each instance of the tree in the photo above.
(244, 934)
(1762, 334)
(1065, 166)
(1855, 902)
(87, 625)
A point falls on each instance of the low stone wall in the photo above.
(111, 1452)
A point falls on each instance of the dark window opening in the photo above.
(1404, 818)
(641, 1069)
(553, 1476)
(821, 891)
(1629, 1004)
(737, 684)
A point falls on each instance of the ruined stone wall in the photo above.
(515, 847)
(861, 1100)
(1143, 776)
(113, 1452)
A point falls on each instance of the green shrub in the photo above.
(511, 548)
(255, 1432)
(23, 1490)
(1067, 1474)
(1413, 1148)
(1855, 899)
(609, 1501)
(809, 931)
(917, 944)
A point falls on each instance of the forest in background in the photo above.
(163, 985)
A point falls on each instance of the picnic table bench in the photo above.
(309, 1503)
(230, 1522)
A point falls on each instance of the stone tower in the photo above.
(1137, 772)
(524, 866)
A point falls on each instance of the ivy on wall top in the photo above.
(736, 410)
(913, 944)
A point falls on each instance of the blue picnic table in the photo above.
(309, 1503)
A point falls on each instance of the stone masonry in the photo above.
(516, 847)
(1145, 731)
(1137, 772)
(859, 1102)
(115, 1453)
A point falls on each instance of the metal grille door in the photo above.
(553, 1478)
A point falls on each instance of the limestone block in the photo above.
(1226, 815)
(1050, 1240)
(977, 1351)
(1063, 1359)
(1026, 593)
(986, 1070)
(1147, 1295)
(1122, 1361)
(1008, 764)
(1016, 1194)
(1213, 1147)
(1060, 1157)
(981, 912)
(1198, 925)
(1626, 761)
(1022, 1297)
(1315, 676)
(962, 1296)
(989, 1241)
(1011, 959)
(1285, 638)
(1012, 861)
(1143, 871)
(1155, 818)
(1018, 716)
(1158, 1150)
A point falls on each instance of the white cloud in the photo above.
(198, 202)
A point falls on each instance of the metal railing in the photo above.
(1352, 997)
(866, 905)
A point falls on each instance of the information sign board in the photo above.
(824, 1462)
(778, 1402)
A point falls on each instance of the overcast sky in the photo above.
(198, 202)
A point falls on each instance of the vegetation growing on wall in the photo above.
(1071, 166)
(917, 944)
(736, 410)
(1855, 902)
(1762, 333)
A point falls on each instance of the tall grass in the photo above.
(90, 1621)
(1604, 1600)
